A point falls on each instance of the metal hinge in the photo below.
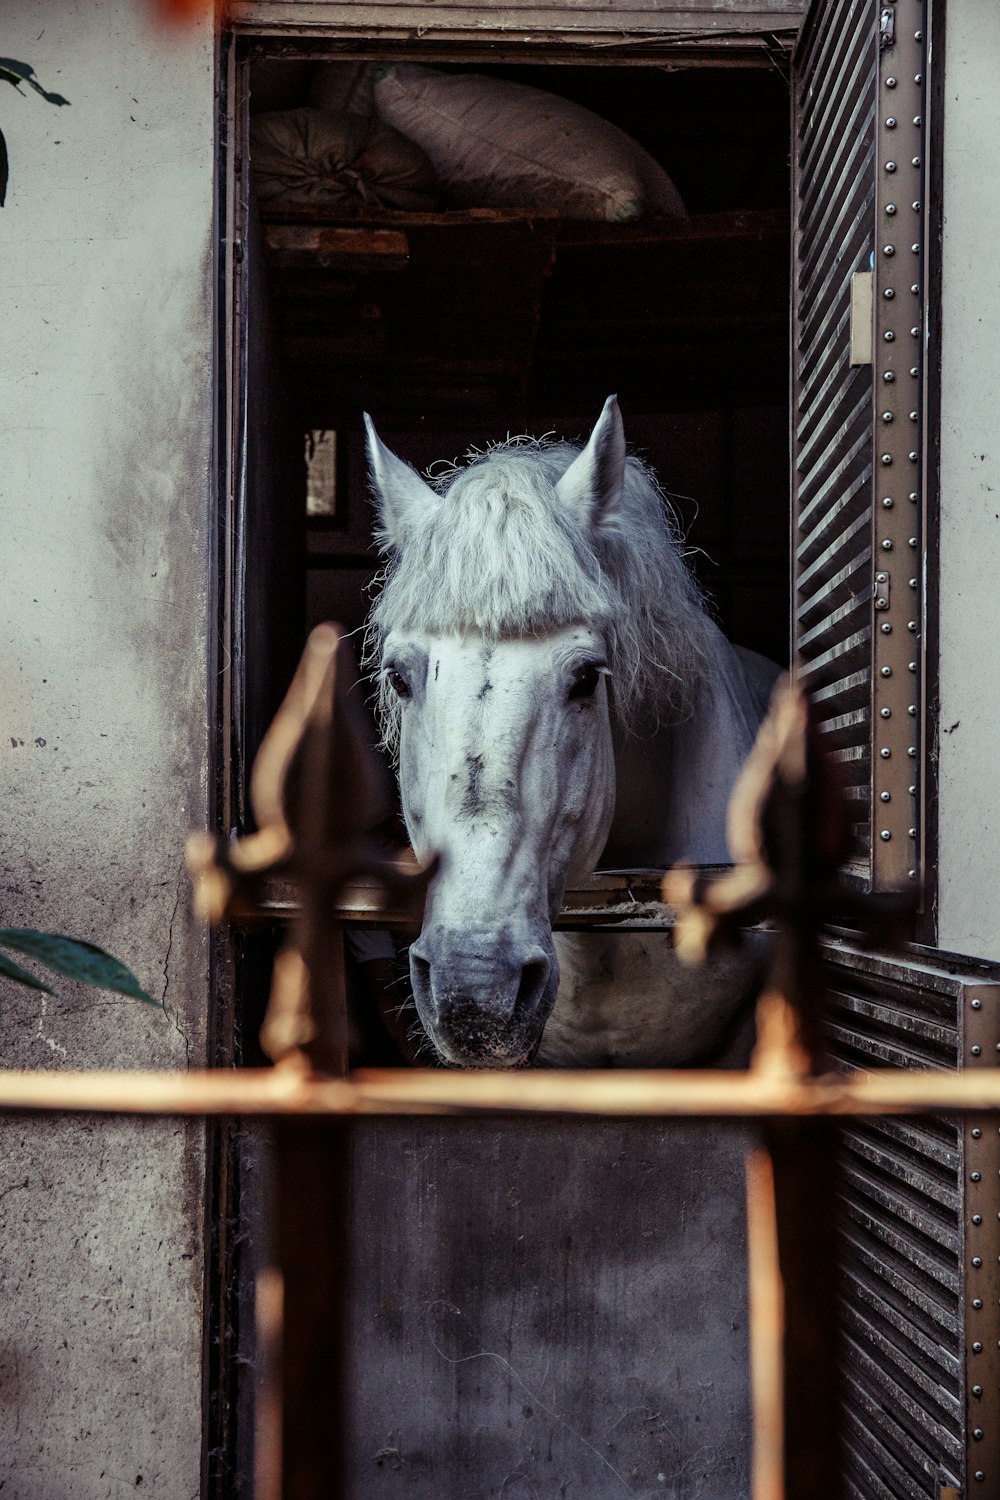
(881, 591)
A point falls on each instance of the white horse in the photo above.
(557, 695)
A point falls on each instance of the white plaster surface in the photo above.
(969, 742)
(105, 520)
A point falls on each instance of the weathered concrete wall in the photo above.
(969, 793)
(106, 250)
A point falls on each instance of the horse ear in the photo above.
(593, 482)
(404, 500)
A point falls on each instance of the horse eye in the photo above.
(585, 682)
(398, 683)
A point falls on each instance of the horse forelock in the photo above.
(503, 557)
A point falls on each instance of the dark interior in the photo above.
(460, 327)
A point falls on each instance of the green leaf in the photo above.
(21, 976)
(77, 960)
(18, 72)
(4, 170)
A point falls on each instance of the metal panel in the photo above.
(920, 1310)
(856, 440)
(834, 106)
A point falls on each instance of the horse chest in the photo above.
(625, 1000)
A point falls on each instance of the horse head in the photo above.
(505, 610)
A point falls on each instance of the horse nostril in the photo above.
(534, 977)
(420, 977)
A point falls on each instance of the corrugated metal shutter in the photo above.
(856, 428)
(835, 97)
(913, 1250)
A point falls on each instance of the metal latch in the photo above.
(861, 318)
(886, 28)
(881, 591)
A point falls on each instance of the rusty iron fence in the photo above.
(313, 858)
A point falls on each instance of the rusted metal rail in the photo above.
(314, 863)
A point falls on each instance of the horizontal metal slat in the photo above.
(887, 1448)
(919, 1175)
(934, 1266)
(941, 1405)
(925, 1349)
(932, 1305)
(911, 1419)
(910, 1211)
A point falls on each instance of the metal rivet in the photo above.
(912, 666)
(977, 1134)
(885, 752)
(913, 541)
(918, 77)
(888, 294)
(977, 1347)
(915, 249)
(885, 796)
(912, 874)
(913, 416)
(886, 671)
(915, 205)
(915, 288)
(917, 121)
(977, 1390)
(890, 209)
(911, 833)
(977, 1432)
(912, 496)
(890, 123)
(888, 335)
(977, 1005)
(976, 1176)
(915, 332)
(887, 545)
(977, 1261)
(912, 710)
(888, 377)
(977, 1303)
(977, 1218)
(912, 753)
(890, 83)
(888, 502)
(913, 457)
(918, 36)
(886, 713)
(886, 628)
(885, 834)
(887, 416)
(886, 459)
(980, 1476)
(915, 162)
(913, 583)
(912, 791)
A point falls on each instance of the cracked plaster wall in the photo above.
(105, 504)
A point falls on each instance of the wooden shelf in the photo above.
(627, 900)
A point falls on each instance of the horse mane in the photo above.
(501, 557)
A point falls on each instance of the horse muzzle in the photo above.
(483, 997)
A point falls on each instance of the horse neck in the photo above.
(674, 783)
